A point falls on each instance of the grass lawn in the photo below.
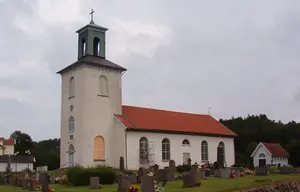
(209, 185)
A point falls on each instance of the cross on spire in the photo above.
(92, 16)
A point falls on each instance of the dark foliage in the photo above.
(254, 129)
(183, 168)
(79, 176)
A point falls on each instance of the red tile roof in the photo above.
(276, 149)
(7, 141)
(145, 119)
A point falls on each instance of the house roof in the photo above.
(95, 61)
(155, 120)
(7, 141)
(16, 159)
(276, 149)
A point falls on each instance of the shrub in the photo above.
(79, 176)
(183, 168)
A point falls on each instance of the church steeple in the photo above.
(91, 39)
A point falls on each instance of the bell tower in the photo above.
(91, 95)
(91, 39)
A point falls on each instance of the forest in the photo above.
(251, 130)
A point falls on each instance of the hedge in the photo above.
(79, 176)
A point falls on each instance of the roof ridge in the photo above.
(156, 109)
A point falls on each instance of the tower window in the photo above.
(71, 124)
(103, 86)
(99, 148)
(83, 44)
(96, 46)
(71, 87)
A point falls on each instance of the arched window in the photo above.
(72, 87)
(166, 150)
(204, 151)
(83, 47)
(144, 150)
(71, 151)
(96, 46)
(99, 148)
(262, 155)
(71, 124)
(185, 142)
(103, 86)
(222, 146)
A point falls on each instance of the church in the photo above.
(97, 129)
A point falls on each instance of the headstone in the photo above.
(123, 183)
(24, 183)
(237, 172)
(161, 175)
(20, 180)
(32, 185)
(141, 172)
(172, 165)
(45, 182)
(260, 171)
(52, 180)
(284, 170)
(169, 174)
(122, 164)
(2, 180)
(193, 173)
(217, 173)
(132, 179)
(147, 184)
(201, 175)
(187, 180)
(94, 182)
(37, 178)
(225, 173)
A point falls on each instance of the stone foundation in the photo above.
(281, 186)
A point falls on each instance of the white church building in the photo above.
(96, 128)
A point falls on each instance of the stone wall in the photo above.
(282, 186)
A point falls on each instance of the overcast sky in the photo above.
(237, 57)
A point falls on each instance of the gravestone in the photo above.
(141, 172)
(284, 170)
(132, 179)
(161, 175)
(225, 173)
(32, 185)
(122, 164)
(169, 174)
(260, 171)
(37, 178)
(24, 183)
(201, 175)
(44, 179)
(147, 184)
(2, 180)
(172, 165)
(237, 173)
(217, 173)
(123, 183)
(94, 182)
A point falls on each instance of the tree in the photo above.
(23, 142)
(294, 148)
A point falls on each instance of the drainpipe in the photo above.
(126, 149)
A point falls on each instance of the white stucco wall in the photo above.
(19, 167)
(177, 149)
(256, 158)
(280, 160)
(93, 114)
(269, 159)
(9, 150)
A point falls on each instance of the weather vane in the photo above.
(92, 16)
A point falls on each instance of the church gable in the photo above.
(154, 120)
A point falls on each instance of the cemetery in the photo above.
(188, 177)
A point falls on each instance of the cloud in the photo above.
(236, 57)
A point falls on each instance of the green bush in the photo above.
(183, 168)
(79, 176)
